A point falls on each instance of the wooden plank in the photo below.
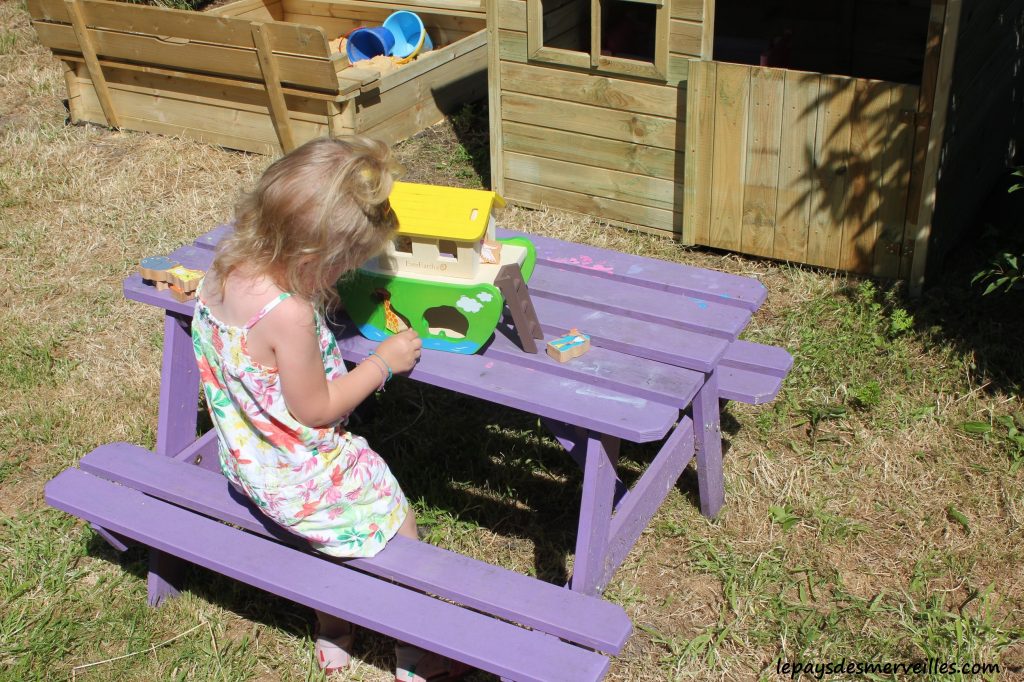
(511, 15)
(764, 142)
(707, 45)
(272, 79)
(512, 46)
(700, 146)
(678, 69)
(185, 25)
(304, 72)
(74, 10)
(654, 131)
(216, 124)
(636, 189)
(729, 163)
(685, 37)
(591, 151)
(338, 8)
(693, 10)
(623, 212)
(796, 166)
(448, 85)
(897, 161)
(869, 128)
(494, 114)
(593, 89)
(231, 99)
(924, 211)
(258, 10)
(831, 170)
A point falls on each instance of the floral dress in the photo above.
(323, 484)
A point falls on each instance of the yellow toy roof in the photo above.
(439, 212)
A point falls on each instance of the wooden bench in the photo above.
(496, 620)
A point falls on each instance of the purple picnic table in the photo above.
(665, 356)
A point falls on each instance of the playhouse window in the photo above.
(446, 248)
(881, 39)
(625, 40)
(403, 244)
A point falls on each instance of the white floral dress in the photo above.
(323, 484)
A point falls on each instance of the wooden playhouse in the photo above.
(259, 75)
(816, 132)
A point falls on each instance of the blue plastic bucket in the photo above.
(410, 36)
(369, 42)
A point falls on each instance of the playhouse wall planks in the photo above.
(211, 77)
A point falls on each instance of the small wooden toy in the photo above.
(569, 346)
(442, 273)
(164, 273)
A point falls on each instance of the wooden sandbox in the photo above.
(258, 75)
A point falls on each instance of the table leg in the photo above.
(599, 478)
(176, 429)
(179, 388)
(574, 440)
(708, 443)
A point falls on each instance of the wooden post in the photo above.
(935, 90)
(272, 80)
(92, 63)
(494, 96)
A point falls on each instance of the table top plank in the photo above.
(677, 278)
(607, 368)
(679, 347)
(706, 316)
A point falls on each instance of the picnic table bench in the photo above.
(665, 355)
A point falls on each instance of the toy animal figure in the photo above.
(164, 273)
(569, 346)
(392, 322)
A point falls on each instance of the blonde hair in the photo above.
(320, 209)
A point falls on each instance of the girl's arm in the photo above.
(310, 397)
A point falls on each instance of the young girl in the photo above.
(274, 379)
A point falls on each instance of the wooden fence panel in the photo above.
(798, 166)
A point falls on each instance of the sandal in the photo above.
(332, 654)
(418, 665)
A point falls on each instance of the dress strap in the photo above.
(264, 310)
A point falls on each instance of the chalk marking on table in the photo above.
(591, 392)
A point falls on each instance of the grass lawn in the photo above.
(874, 511)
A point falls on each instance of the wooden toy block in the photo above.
(490, 252)
(164, 273)
(569, 346)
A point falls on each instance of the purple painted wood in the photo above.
(533, 391)
(745, 292)
(596, 506)
(203, 452)
(213, 237)
(190, 257)
(476, 639)
(679, 347)
(638, 302)
(635, 511)
(757, 357)
(708, 444)
(574, 440)
(745, 386)
(113, 539)
(506, 594)
(608, 369)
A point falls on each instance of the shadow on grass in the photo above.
(987, 329)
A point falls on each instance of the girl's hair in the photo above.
(321, 209)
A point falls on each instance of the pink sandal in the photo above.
(333, 655)
(418, 665)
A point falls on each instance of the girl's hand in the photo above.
(401, 351)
